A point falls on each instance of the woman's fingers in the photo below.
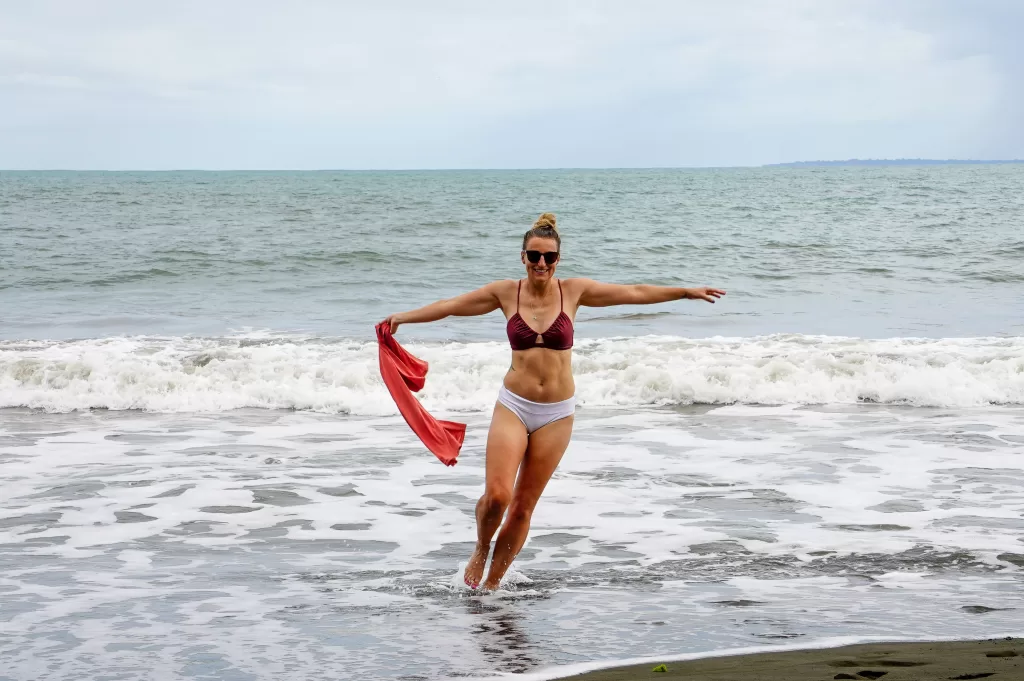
(710, 294)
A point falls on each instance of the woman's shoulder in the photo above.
(502, 287)
(573, 289)
(576, 283)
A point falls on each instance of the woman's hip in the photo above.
(535, 415)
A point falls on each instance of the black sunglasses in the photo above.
(549, 256)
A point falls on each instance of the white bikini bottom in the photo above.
(536, 415)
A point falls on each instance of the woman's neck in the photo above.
(540, 289)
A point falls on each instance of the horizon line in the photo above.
(849, 161)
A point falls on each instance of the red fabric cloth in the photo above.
(404, 374)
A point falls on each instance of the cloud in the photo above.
(456, 84)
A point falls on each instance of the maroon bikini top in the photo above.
(558, 336)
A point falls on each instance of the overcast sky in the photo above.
(141, 84)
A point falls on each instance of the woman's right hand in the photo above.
(393, 321)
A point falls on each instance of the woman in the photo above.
(533, 417)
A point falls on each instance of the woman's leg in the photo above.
(506, 445)
(544, 451)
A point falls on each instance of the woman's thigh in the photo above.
(543, 453)
(506, 446)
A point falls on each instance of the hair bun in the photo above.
(546, 221)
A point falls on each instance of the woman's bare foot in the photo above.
(475, 567)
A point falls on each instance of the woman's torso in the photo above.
(539, 373)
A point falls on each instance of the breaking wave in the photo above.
(341, 376)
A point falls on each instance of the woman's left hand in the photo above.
(704, 293)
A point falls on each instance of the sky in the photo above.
(229, 84)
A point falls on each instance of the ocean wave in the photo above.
(341, 376)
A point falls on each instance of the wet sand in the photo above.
(996, 659)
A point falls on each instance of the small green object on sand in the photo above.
(660, 668)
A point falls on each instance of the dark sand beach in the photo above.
(997, 659)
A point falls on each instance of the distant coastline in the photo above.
(892, 162)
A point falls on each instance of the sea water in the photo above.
(202, 475)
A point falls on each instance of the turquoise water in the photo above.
(875, 252)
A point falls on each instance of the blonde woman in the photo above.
(532, 420)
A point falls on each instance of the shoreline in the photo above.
(1000, 658)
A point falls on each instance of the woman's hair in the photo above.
(544, 228)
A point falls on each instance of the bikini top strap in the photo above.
(561, 302)
(519, 289)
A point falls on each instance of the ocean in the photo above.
(204, 477)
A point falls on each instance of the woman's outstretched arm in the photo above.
(480, 301)
(599, 294)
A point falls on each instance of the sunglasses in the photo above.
(549, 257)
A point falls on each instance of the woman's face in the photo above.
(540, 270)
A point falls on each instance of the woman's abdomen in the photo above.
(541, 375)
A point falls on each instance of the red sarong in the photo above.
(404, 374)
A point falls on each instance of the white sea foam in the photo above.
(200, 375)
(280, 543)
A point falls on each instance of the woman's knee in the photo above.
(496, 499)
(519, 512)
